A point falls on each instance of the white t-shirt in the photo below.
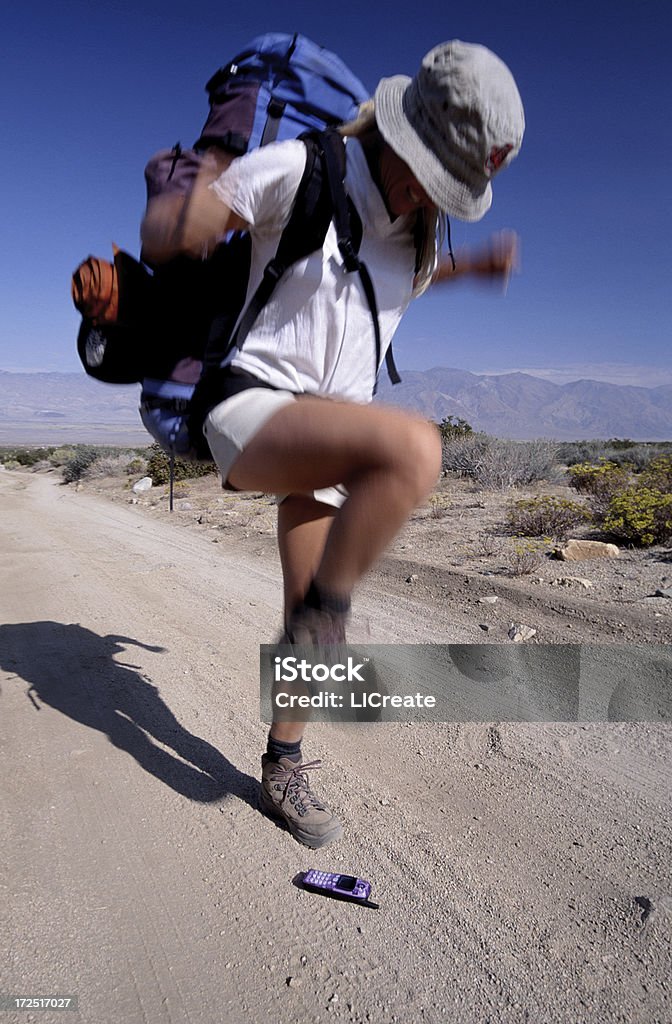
(316, 333)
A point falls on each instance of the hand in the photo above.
(189, 225)
(496, 262)
(502, 257)
(160, 227)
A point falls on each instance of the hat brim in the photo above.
(451, 195)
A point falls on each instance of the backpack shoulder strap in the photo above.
(304, 233)
(320, 197)
(349, 233)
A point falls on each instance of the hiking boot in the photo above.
(312, 628)
(286, 794)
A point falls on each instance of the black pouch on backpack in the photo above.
(116, 301)
(198, 303)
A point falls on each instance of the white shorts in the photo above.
(232, 424)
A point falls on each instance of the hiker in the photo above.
(293, 415)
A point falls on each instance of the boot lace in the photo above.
(296, 787)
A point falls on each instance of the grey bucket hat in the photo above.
(456, 124)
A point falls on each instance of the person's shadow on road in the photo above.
(73, 670)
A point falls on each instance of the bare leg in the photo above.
(387, 459)
(303, 528)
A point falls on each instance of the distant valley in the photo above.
(54, 408)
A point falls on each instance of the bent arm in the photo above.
(187, 225)
(496, 261)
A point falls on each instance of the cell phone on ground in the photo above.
(341, 886)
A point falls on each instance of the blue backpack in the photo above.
(279, 87)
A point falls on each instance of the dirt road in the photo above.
(522, 871)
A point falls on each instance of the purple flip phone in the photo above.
(346, 886)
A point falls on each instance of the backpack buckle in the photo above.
(274, 271)
(350, 258)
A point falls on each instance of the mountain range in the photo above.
(50, 408)
(521, 406)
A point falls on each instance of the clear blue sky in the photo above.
(90, 90)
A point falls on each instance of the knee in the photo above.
(420, 455)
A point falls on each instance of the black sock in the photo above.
(278, 748)
(323, 601)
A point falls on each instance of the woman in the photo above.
(295, 417)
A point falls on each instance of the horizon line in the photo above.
(619, 374)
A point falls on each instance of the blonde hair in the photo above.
(430, 223)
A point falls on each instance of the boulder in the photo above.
(142, 485)
(582, 550)
(519, 632)
(570, 581)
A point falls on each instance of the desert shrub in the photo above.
(598, 478)
(463, 454)
(60, 456)
(545, 516)
(526, 557)
(601, 482)
(158, 467)
(454, 426)
(518, 463)
(640, 515)
(495, 463)
(136, 465)
(29, 456)
(489, 544)
(635, 458)
(83, 456)
(657, 475)
(438, 506)
(9, 463)
(571, 452)
(621, 452)
(620, 443)
(107, 465)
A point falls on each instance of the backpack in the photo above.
(279, 87)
